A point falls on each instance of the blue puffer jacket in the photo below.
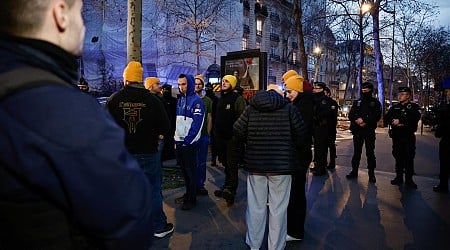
(58, 146)
(190, 113)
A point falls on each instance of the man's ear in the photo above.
(60, 14)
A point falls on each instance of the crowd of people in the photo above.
(77, 177)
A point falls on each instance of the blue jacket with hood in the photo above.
(190, 113)
(60, 147)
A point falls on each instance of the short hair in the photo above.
(19, 17)
(182, 76)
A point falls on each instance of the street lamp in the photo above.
(318, 52)
(364, 8)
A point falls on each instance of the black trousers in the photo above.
(320, 146)
(359, 139)
(444, 160)
(229, 152)
(404, 151)
(296, 212)
(332, 146)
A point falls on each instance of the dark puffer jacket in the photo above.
(274, 133)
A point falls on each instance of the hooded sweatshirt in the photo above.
(274, 133)
(190, 113)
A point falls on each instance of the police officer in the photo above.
(363, 116)
(443, 132)
(332, 132)
(402, 119)
(322, 120)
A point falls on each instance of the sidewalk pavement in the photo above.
(342, 214)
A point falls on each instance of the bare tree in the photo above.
(198, 24)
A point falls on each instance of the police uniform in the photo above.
(332, 131)
(403, 138)
(443, 132)
(368, 109)
(322, 120)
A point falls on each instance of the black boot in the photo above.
(441, 188)
(372, 176)
(319, 171)
(353, 174)
(410, 183)
(332, 165)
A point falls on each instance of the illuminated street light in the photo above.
(318, 52)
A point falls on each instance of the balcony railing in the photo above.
(274, 57)
(246, 29)
(274, 37)
(274, 17)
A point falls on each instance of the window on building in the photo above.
(271, 71)
(294, 56)
(259, 25)
(244, 43)
(258, 45)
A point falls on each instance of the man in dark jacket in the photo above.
(332, 129)
(443, 132)
(323, 120)
(229, 107)
(209, 92)
(363, 116)
(274, 134)
(65, 174)
(403, 118)
(144, 119)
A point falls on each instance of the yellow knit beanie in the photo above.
(149, 81)
(200, 77)
(288, 74)
(133, 72)
(295, 83)
(231, 79)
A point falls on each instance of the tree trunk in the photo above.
(134, 31)
(298, 12)
(377, 48)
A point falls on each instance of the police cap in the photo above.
(367, 85)
(321, 85)
(404, 89)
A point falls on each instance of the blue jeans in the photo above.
(201, 158)
(151, 164)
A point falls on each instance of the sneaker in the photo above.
(165, 231)
(410, 184)
(397, 181)
(352, 175)
(180, 200)
(202, 191)
(440, 189)
(290, 238)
